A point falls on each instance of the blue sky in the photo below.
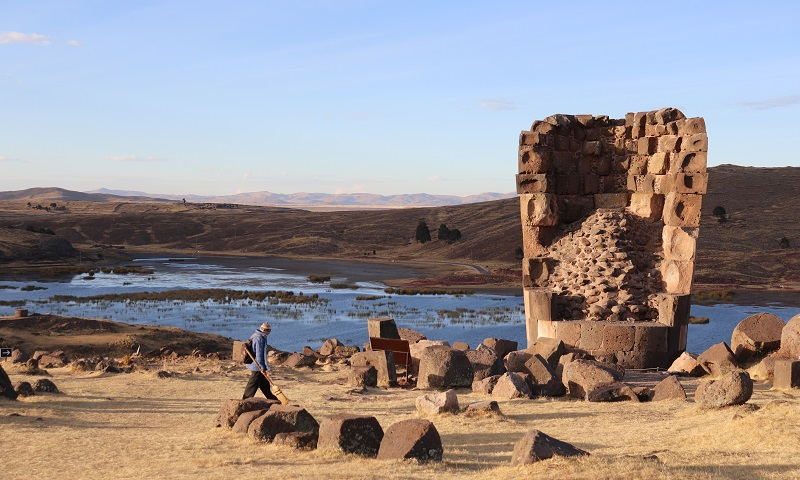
(370, 96)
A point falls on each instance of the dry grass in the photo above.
(138, 426)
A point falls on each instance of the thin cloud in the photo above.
(498, 104)
(134, 158)
(770, 103)
(74, 43)
(9, 38)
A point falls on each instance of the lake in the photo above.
(340, 312)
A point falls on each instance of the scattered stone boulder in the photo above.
(437, 403)
(718, 359)
(44, 385)
(328, 347)
(411, 336)
(24, 389)
(485, 408)
(535, 446)
(18, 356)
(790, 338)
(412, 439)
(383, 362)
(645, 394)
(6, 388)
(298, 360)
(500, 346)
(612, 392)
(360, 435)
(282, 419)
(688, 365)
(382, 327)
(243, 422)
(485, 363)
(443, 367)
(732, 388)
(55, 359)
(582, 376)
(512, 385)
(548, 348)
(756, 336)
(515, 361)
(787, 374)
(363, 376)
(230, 410)
(565, 359)
(669, 389)
(418, 348)
(485, 385)
(543, 377)
(296, 440)
(277, 357)
(463, 346)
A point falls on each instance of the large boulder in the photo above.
(582, 376)
(417, 350)
(718, 359)
(612, 392)
(230, 410)
(282, 418)
(485, 363)
(24, 389)
(545, 381)
(363, 376)
(732, 388)
(55, 359)
(501, 347)
(512, 385)
(443, 367)
(6, 388)
(412, 439)
(245, 419)
(548, 348)
(485, 385)
(437, 403)
(756, 336)
(44, 385)
(382, 327)
(360, 435)
(668, 389)
(515, 361)
(298, 360)
(790, 338)
(383, 362)
(535, 446)
(18, 356)
(686, 364)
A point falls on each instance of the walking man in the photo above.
(257, 379)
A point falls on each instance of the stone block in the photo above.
(667, 115)
(638, 165)
(526, 137)
(691, 183)
(647, 205)
(534, 183)
(691, 126)
(536, 240)
(534, 159)
(647, 145)
(538, 308)
(574, 207)
(591, 184)
(677, 276)
(383, 362)
(618, 337)
(561, 143)
(593, 147)
(651, 337)
(682, 209)
(611, 200)
(382, 327)
(689, 162)
(641, 183)
(539, 209)
(658, 164)
(567, 184)
(655, 130)
(669, 143)
(353, 434)
(569, 332)
(591, 335)
(547, 329)
(613, 183)
(673, 309)
(414, 439)
(679, 243)
(695, 143)
(540, 126)
(565, 163)
(663, 184)
(787, 374)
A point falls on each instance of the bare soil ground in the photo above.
(139, 426)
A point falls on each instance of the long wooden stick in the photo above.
(276, 390)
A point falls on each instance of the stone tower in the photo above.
(610, 214)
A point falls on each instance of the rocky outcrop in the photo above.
(501, 347)
(485, 363)
(544, 380)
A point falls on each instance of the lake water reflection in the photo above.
(342, 313)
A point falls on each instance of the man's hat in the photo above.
(265, 327)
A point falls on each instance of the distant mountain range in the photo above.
(298, 200)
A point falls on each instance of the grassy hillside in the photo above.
(762, 205)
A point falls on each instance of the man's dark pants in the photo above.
(257, 381)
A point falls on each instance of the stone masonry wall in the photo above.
(610, 213)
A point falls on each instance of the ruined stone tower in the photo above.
(610, 214)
